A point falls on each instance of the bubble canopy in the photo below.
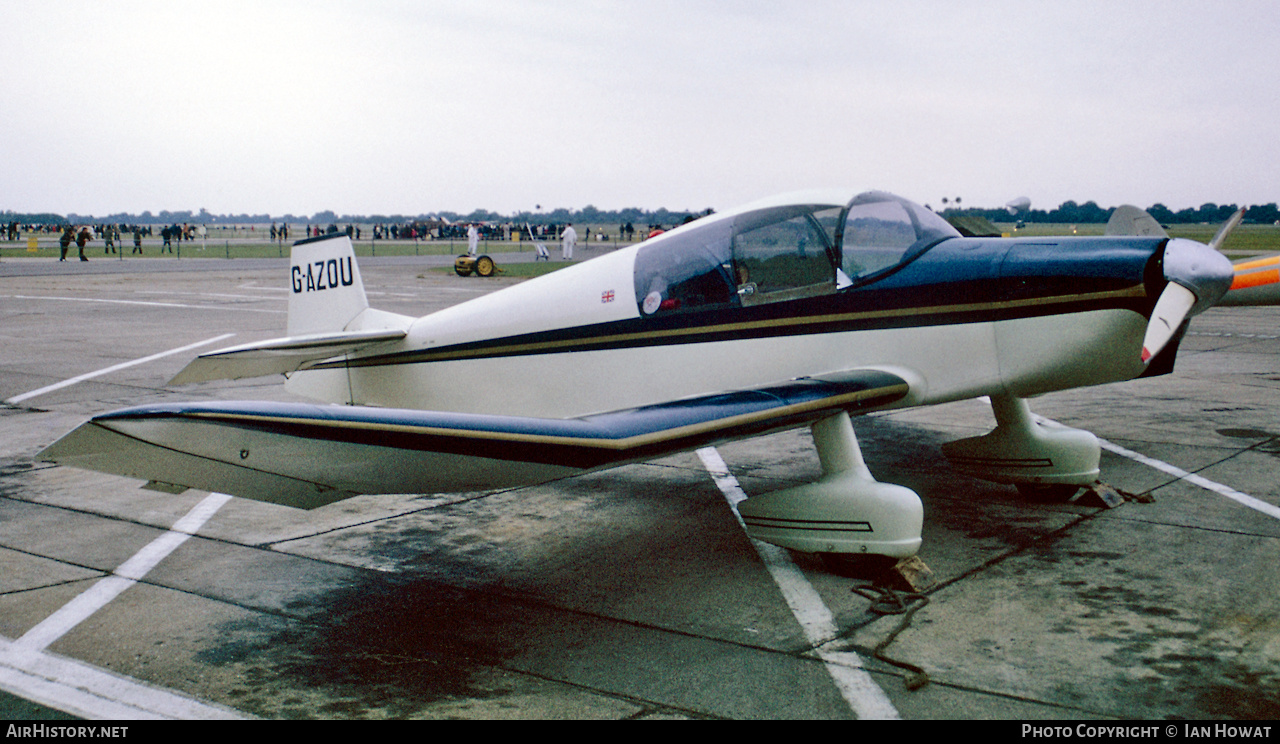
(780, 250)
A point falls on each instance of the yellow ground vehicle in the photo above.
(481, 265)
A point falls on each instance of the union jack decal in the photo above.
(607, 296)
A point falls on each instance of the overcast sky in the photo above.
(407, 107)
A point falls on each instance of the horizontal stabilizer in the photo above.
(280, 355)
(308, 455)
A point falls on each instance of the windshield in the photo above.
(881, 230)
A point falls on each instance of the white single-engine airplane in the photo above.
(795, 311)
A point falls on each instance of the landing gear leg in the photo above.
(844, 511)
(1040, 457)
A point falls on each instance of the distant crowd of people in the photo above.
(413, 231)
(114, 235)
(487, 231)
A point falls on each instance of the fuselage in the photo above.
(773, 291)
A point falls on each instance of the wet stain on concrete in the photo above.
(1206, 686)
(1246, 433)
(385, 648)
(1269, 444)
(1174, 664)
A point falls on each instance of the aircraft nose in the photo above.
(1199, 268)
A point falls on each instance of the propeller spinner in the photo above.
(1198, 275)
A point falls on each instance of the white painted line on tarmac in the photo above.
(89, 692)
(1241, 498)
(150, 304)
(217, 295)
(29, 671)
(107, 370)
(865, 697)
(129, 573)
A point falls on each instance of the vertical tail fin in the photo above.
(325, 290)
(329, 317)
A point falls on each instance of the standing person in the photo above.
(568, 239)
(82, 238)
(68, 235)
(473, 240)
(109, 234)
(137, 239)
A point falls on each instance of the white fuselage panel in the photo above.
(1027, 356)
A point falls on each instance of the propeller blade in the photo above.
(1171, 309)
(1226, 229)
(1199, 275)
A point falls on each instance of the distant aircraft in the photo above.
(802, 310)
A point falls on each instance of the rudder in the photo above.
(325, 289)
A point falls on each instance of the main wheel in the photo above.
(485, 266)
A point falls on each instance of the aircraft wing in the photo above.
(280, 355)
(1257, 282)
(306, 455)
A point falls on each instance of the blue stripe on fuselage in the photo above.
(962, 280)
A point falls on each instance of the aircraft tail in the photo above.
(329, 316)
(325, 289)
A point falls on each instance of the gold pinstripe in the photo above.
(424, 355)
(627, 443)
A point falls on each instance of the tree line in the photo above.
(586, 215)
(1089, 212)
(1068, 212)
